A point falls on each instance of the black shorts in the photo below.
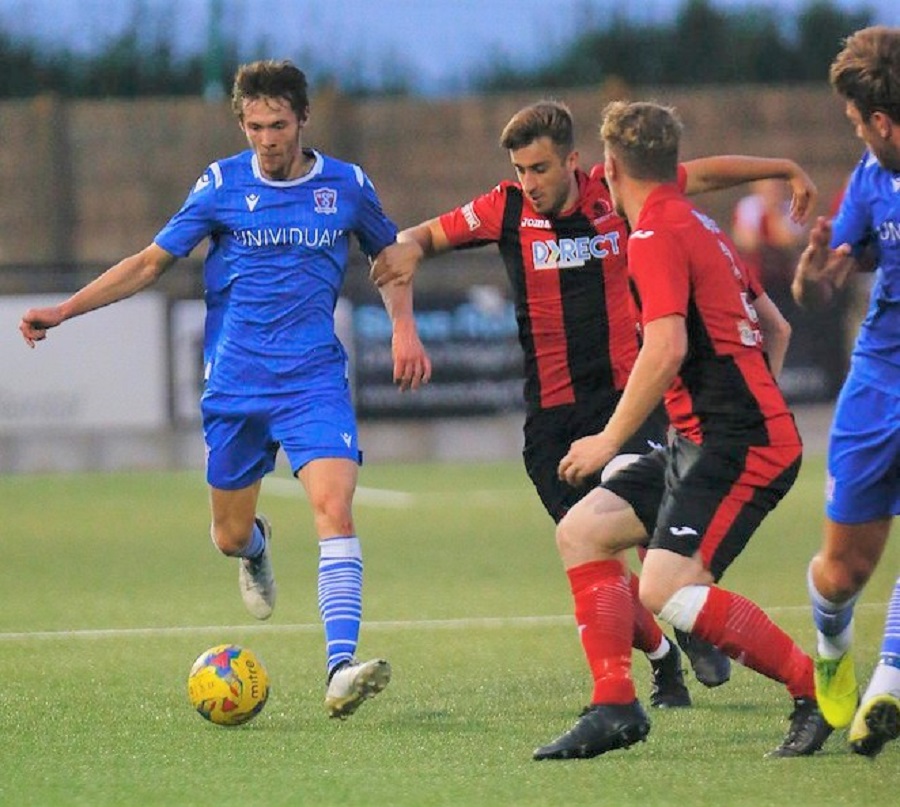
(550, 432)
(706, 498)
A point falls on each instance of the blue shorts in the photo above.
(863, 455)
(243, 434)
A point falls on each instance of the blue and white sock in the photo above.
(255, 545)
(340, 597)
(886, 677)
(834, 622)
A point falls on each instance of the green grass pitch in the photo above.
(111, 588)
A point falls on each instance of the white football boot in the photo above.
(353, 683)
(256, 578)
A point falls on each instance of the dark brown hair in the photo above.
(544, 119)
(270, 79)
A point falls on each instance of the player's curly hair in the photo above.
(549, 118)
(867, 71)
(645, 137)
(272, 79)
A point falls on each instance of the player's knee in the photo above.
(838, 578)
(228, 540)
(599, 526)
(567, 538)
(332, 514)
(654, 592)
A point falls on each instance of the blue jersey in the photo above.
(277, 257)
(870, 215)
(215, 296)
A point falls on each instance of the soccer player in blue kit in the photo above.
(278, 218)
(863, 491)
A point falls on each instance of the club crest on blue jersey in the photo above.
(326, 200)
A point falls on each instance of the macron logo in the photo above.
(252, 199)
(681, 532)
(347, 438)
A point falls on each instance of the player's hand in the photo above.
(815, 257)
(412, 366)
(820, 269)
(803, 196)
(37, 321)
(396, 263)
(586, 456)
(818, 262)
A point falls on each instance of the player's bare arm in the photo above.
(657, 364)
(412, 365)
(776, 331)
(726, 171)
(400, 260)
(821, 270)
(126, 278)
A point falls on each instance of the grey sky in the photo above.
(440, 42)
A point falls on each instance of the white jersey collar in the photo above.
(286, 183)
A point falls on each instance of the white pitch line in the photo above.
(395, 499)
(427, 624)
(386, 625)
(376, 497)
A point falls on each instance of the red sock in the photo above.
(604, 611)
(647, 633)
(741, 629)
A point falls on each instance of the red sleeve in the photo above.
(660, 270)
(754, 282)
(478, 221)
(682, 178)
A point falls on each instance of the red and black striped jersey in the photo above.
(570, 288)
(682, 263)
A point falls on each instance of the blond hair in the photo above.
(645, 137)
(867, 71)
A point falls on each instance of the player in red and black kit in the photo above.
(712, 345)
(564, 248)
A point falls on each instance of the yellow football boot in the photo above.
(837, 690)
(876, 722)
